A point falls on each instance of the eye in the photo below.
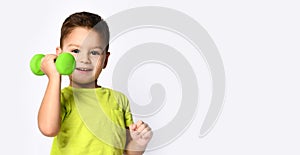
(75, 51)
(95, 53)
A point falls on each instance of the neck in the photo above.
(86, 85)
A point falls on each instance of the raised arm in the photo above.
(138, 135)
(49, 112)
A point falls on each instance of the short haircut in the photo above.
(86, 20)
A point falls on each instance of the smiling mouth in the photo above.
(83, 69)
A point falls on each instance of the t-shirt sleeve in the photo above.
(124, 102)
(127, 114)
(64, 106)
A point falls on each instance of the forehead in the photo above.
(84, 37)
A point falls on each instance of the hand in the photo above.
(140, 133)
(48, 65)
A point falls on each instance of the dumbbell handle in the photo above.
(65, 64)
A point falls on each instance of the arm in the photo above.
(139, 135)
(49, 112)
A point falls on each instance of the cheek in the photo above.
(75, 55)
(98, 67)
(98, 62)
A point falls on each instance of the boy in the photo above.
(85, 118)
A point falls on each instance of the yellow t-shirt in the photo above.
(94, 122)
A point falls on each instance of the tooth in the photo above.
(83, 69)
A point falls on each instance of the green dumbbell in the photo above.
(65, 64)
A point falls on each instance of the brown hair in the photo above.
(87, 20)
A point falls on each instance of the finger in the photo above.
(146, 130)
(142, 127)
(49, 58)
(139, 123)
(132, 127)
(53, 57)
(147, 135)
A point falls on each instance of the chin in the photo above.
(82, 82)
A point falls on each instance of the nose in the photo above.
(83, 58)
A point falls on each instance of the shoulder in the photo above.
(118, 96)
(66, 93)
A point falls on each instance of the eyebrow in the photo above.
(75, 45)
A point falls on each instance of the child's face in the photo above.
(88, 48)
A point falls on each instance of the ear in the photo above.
(58, 50)
(106, 59)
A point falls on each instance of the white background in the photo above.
(258, 41)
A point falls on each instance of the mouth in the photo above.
(83, 69)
